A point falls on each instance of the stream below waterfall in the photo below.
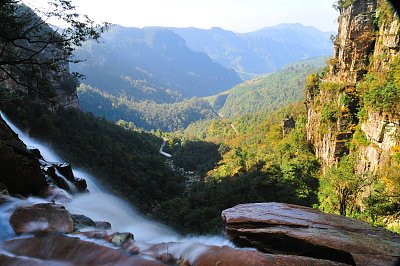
(100, 205)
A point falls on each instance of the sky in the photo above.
(235, 15)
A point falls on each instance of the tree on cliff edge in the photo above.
(31, 52)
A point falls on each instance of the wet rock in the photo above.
(19, 168)
(226, 256)
(61, 175)
(94, 234)
(82, 221)
(102, 225)
(289, 229)
(80, 184)
(11, 260)
(55, 194)
(41, 218)
(119, 239)
(35, 152)
(72, 250)
(66, 170)
(134, 250)
(53, 177)
(187, 254)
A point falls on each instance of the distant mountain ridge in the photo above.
(259, 52)
(151, 64)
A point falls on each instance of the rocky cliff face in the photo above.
(368, 41)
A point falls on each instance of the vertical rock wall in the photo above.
(368, 39)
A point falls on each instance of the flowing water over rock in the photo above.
(100, 205)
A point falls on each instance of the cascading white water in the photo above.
(100, 205)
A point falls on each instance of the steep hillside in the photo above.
(353, 114)
(259, 52)
(267, 93)
(151, 64)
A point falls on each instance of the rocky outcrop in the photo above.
(354, 42)
(226, 256)
(368, 40)
(68, 251)
(41, 218)
(280, 228)
(25, 172)
(382, 135)
(20, 170)
(203, 255)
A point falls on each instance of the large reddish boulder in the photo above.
(226, 256)
(280, 228)
(12, 260)
(71, 251)
(41, 218)
(196, 254)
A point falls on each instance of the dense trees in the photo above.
(31, 52)
(269, 92)
(257, 163)
(144, 114)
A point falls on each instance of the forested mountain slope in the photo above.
(151, 64)
(269, 92)
(144, 114)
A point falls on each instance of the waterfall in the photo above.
(100, 205)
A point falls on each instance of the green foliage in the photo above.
(382, 89)
(342, 4)
(144, 114)
(341, 187)
(313, 83)
(258, 164)
(269, 92)
(196, 156)
(329, 113)
(198, 210)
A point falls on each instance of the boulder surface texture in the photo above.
(280, 228)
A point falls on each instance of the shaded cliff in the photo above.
(353, 108)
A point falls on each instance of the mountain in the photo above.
(262, 94)
(146, 114)
(269, 92)
(261, 51)
(151, 64)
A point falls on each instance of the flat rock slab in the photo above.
(226, 256)
(67, 251)
(41, 218)
(281, 228)
(197, 254)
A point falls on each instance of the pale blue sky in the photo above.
(236, 15)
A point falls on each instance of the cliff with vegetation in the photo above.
(353, 113)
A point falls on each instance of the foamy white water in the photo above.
(100, 205)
